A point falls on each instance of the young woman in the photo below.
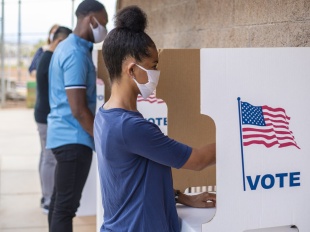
(134, 156)
(36, 58)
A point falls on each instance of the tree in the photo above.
(37, 46)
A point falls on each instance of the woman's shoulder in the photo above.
(136, 121)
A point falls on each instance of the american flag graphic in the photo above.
(151, 99)
(266, 125)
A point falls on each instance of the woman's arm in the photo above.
(201, 158)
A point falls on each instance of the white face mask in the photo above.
(148, 88)
(51, 37)
(99, 33)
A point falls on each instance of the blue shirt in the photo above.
(35, 60)
(71, 67)
(134, 162)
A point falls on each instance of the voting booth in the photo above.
(252, 103)
(258, 99)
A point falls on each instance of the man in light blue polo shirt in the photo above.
(72, 98)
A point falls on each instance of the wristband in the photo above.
(176, 195)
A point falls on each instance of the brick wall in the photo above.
(226, 23)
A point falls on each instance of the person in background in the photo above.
(134, 156)
(41, 110)
(33, 66)
(72, 98)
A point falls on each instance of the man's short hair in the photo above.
(62, 32)
(88, 6)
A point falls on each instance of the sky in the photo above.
(37, 17)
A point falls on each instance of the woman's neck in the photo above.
(122, 97)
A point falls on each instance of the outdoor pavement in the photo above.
(19, 179)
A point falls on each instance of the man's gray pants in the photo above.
(47, 166)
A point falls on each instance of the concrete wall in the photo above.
(226, 23)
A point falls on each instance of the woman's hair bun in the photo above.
(131, 18)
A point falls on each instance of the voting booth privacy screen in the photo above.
(259, 101)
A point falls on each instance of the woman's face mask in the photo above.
(51, 37)
(148, 88)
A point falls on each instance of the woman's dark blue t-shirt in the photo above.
(134, 162)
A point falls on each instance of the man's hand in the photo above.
(201, 200)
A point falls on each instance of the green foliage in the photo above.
(37, 46)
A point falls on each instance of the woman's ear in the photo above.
(130, 70)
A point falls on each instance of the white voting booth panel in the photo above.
(259, 100)
(154, 110)
(89, 202)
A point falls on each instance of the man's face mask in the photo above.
(99, 33)
(148, 88)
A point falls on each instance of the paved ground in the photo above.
(14, 104)
(19, 179)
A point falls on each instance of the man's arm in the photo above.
(78, 104)
(201, 158)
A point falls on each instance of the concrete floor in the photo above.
(19, 179)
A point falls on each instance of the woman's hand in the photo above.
(201, 200)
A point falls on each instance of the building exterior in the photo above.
(226, 23)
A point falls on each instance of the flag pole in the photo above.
(241, 141)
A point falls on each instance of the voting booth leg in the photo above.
(88, 201)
